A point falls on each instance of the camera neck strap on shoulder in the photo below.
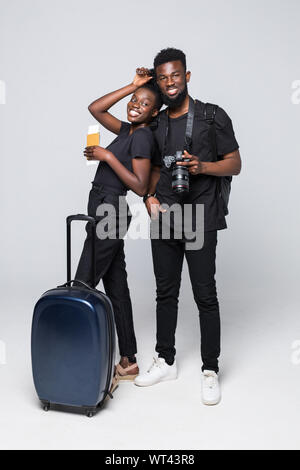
(188, 130)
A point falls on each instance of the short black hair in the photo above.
(152, 86)
(170, 54)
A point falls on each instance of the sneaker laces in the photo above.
(155, 363)
(210, 380)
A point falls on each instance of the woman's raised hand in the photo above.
(142, 76)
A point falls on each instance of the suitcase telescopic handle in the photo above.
(92, 221)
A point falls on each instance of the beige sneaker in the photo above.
(127, 372)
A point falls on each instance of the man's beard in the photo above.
(175, 102)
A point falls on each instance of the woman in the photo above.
(124, 164)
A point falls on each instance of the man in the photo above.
(204, 177)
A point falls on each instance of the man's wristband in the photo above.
(147, 196)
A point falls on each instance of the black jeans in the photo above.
(111, 268)
(167, 259)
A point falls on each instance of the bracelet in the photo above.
(147, 196)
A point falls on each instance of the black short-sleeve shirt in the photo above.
(203, 189)
(125, 147)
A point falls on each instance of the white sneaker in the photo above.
(211, 392)
(159, 371)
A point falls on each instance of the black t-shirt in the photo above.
(125, 147)
(203, 189)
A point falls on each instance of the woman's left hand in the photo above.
(94, 152)
(142, 76)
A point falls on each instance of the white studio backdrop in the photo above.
(56, 57)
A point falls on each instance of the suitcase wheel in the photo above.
(90, 413)
(46, 406)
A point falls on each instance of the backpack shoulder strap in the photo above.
(162, 116)
(159, 126)
(223, 182)
(209, 112)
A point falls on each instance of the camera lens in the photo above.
(180, 179)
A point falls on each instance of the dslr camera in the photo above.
(180, 174)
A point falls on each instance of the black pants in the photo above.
(167, 259)
(111, 268)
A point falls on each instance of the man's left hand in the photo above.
(194, 165)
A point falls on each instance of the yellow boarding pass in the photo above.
(93, 138)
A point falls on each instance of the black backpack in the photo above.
(223, 182)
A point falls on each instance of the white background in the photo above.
(55, 58)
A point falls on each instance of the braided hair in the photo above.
(152, 86)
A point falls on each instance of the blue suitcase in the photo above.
(73, 341)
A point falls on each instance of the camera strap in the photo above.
(188, 130)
